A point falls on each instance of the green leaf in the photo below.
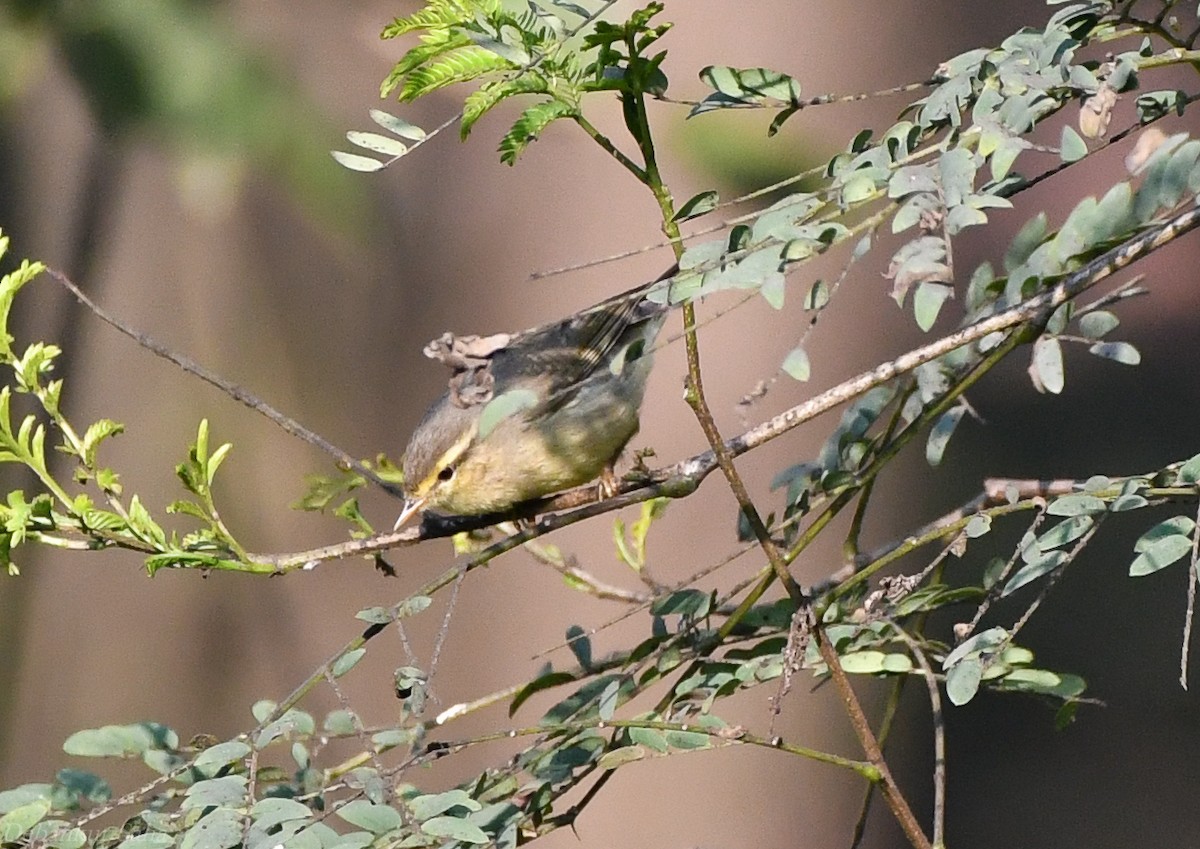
(454, 829)
(412, 605)
(390, 739)
(631, 548)
(149, 840)
(1003, 157)
(57, 834)
(962, 681)
(226, 791)
(649, 738)
(687, 740)
(610, 699)
(221, 829)
(292, 723)
(215, 461)
(356, 162)
(380, 144)
(1175, 525)
(1028, 238)
(270, 812)
(620, 756)
(1047, 368)
(875, 662)
(818, 296)
(221, 755)
(581, 704)
(1065, 532)
(377, 819)
(686, 602)
(1097, 323)
(347, 662)
(1122, 352)
(120, 740)
(530, 125)
(939, 435)
(426, 807)
(542, 682)
(12, 799)
(1033, 570)
(773, 290)
(18, 821)
(580, 645)
(1160, 553)
(1033, 681)
(1128, 501)
(1072, 148)
(1189, 472)
(1076, 504)
(984, 641)
(912, 179)
(978, 526)
(339, 722)
(796, 364)
(397, 125)
(509, 52)
(489, 94)
(96, 433)
(753, 84)
(458, 66)
(927, 302)
(1153, 105)
(697, 205)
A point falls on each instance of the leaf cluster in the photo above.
(90, 510)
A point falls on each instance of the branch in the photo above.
(684, 477)
(233, 390)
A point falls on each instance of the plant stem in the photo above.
(636, 119)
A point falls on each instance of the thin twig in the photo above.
(939, 734)
(817, 100)
(1193, 577)
(1052, 579)
(233, 390)
(998, 586)
(444, 630)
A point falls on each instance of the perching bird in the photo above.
(533, 413)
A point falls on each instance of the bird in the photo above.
(529, 414)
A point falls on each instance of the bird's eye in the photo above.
(446, 473)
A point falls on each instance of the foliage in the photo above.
(973, 141)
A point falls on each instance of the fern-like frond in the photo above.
(530, 125)
(535, 32)
(441, 14)
(460, 66)
(481, 101)
(432, 46)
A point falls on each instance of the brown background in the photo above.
(316, 288)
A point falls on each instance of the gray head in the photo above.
(439, 439)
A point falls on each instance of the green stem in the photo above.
(636, 119)
(611, 149)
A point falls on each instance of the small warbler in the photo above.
(536, 412)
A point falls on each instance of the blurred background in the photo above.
(172, 158)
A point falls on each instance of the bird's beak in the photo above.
(411, 506)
